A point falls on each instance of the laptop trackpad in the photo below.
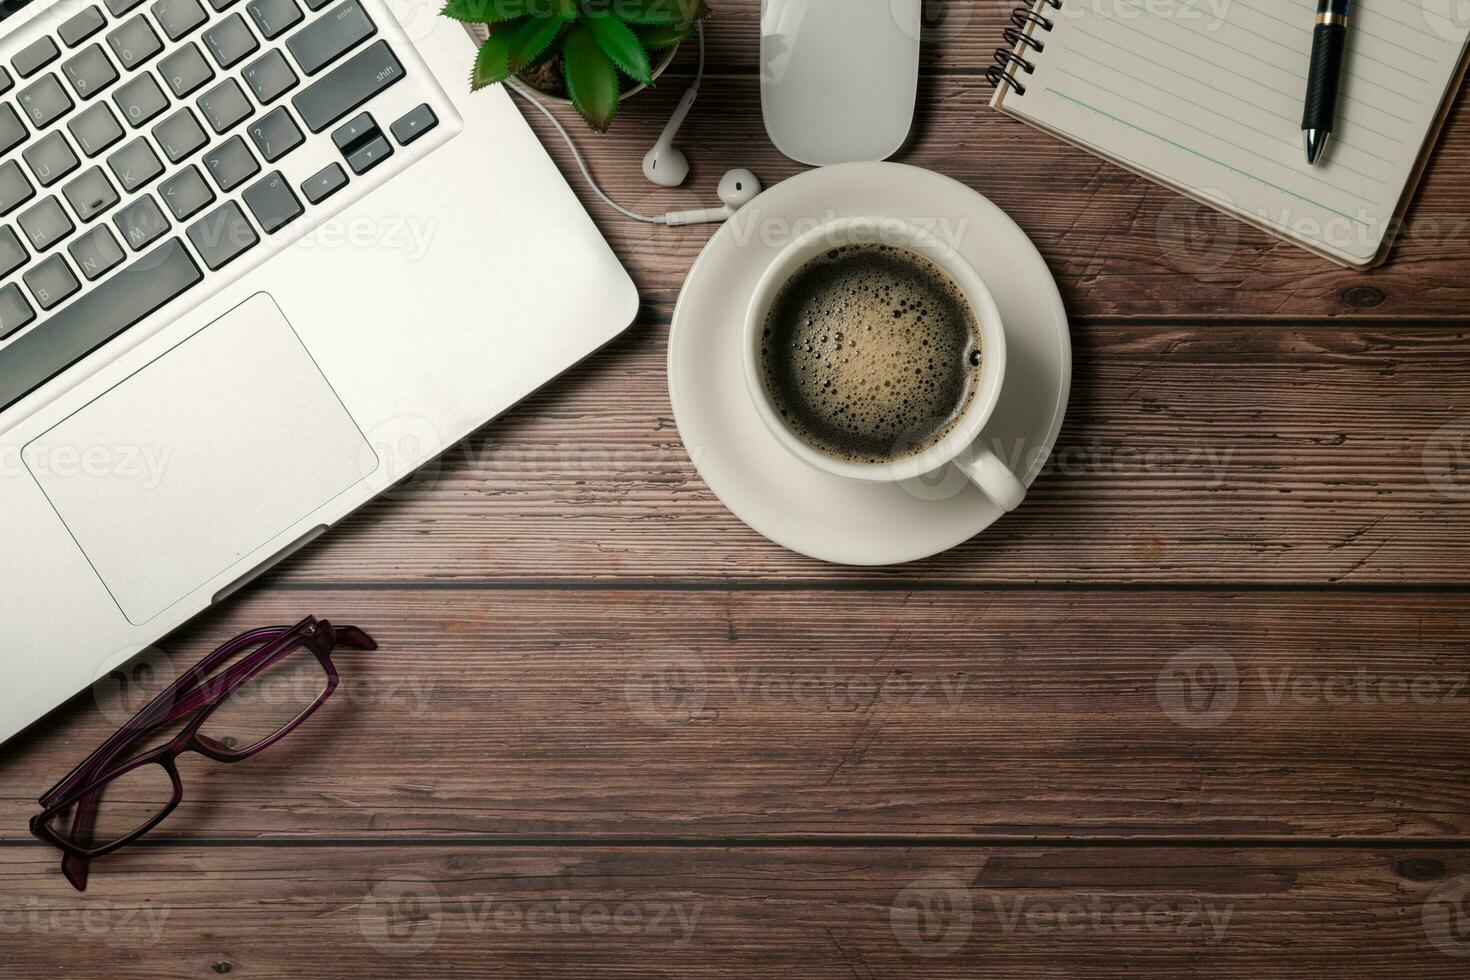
(219, 446)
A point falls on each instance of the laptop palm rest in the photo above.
(210, 452)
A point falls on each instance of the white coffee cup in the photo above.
(963, 446)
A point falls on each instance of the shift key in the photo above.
(348, 86)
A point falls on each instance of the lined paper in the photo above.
(1206, 96)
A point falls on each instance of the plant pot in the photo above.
(659, 67)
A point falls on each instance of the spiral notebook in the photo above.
(1205, 96)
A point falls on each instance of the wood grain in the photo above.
(1313, 454)
(711, 714)
(1212, 673)
(1119, 246)
(311, 912)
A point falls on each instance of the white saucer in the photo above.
(803, 508)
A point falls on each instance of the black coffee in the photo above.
(871, 353)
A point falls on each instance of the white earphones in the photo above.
(665, 164)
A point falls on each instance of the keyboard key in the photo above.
(5, 81)
(225, 105)
(348, 86)
(316, 4)
(44, 101)
(413, 124)
(186, 193)
(95, 252)
(15, 310)
(178, 17)
(179, 135)
(269, 77)
(185, 70)
(120, 7)
(140, 100)
(219, 5)
(45, 223)
(89, 71)
(90, 194)
(271, 201)
(35, 56)
(50, 158)
(141, 223)
(324, 183)
(13, 254)
(94, 319)
(134, 42)
(15, 188)
(12, 130)
(135, 164)
(222, 235)
(82, 26)
(230, 41)
(276, 134)
(95, 129)
(230, 163)
(362, 143)
(274, 17)
(51, 281)
(330, 36)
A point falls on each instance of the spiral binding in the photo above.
(1020, 35)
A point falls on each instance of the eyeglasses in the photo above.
(282, 676)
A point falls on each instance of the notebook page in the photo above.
(1207, 95)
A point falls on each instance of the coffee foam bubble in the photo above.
(871, 353)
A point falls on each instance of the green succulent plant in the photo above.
(598, 41)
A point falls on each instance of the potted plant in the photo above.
(592, 53)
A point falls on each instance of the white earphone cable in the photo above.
(515, 86)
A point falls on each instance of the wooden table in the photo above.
(1200, 707)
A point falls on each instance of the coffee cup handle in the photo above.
(994, 478)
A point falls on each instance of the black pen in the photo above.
(1329, 41)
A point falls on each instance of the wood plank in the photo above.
(1221, 453)
(311, 912)
(1119, 246)
(698, 714)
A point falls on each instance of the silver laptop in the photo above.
(259, 259)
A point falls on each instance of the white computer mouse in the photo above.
(839, 77)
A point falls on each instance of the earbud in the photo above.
(665, 164)
(737, 189)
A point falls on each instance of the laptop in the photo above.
(259, 260)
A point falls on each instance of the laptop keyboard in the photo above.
(142, 147)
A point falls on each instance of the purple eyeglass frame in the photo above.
(189, 694)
